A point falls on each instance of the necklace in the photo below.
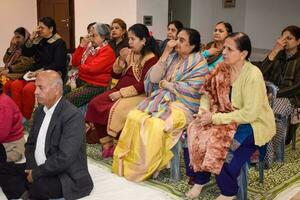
(290, 53)
(135, 63)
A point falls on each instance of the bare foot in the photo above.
(222, 197)
(87, 127)
(194, 192)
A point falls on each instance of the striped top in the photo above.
(186, 78)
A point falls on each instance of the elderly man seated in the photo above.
(56, 163)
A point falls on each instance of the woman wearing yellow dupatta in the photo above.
(154, 127)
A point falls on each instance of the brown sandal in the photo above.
(91, 135)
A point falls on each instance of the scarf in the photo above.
(208, 145)
(187, 80)
(16, 52)
(212, 59)
(91, 50)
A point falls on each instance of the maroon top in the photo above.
(11, 128)
(99, 108)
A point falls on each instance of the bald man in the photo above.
(56, 164)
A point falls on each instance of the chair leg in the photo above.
(294, 140)
(243, 183)
(261, 171)
(175, 162)
(281, 155)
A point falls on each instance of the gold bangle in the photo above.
(160, 84)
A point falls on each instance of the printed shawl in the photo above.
(16, 53)
(187, 81)
(208, 145)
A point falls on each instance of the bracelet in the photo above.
(160, 84)
(121, 93)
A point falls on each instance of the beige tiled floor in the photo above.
(296, 196)
(289, 193)
(109, 186)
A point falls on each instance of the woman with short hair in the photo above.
(94, 67)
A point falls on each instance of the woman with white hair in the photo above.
(94, 67)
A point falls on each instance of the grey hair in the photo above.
(57, 82)
(102, 30)
(54, 79)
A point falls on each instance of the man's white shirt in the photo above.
(39, 153)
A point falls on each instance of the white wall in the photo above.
(261, 20)
(104, 11)
(159, 10)
(13, 14)
(206, 13)
(202, 18)
(266, 19)
(236, 16)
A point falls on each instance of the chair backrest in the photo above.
(271, 92)
(68, 62)
(158, 42)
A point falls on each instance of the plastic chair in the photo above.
(243, 178)
(69, 57)
(175, 162)
(294, 140)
